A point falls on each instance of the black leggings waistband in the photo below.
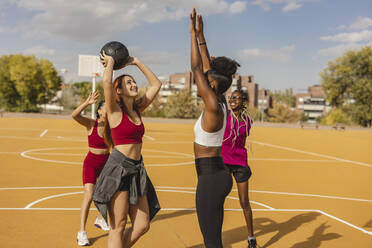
(209, 165)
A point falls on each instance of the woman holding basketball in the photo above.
(94, 161)
(234, 154)
(214, 179)
(123, 187)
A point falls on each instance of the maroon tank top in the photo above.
(127, 132)
(96, 141)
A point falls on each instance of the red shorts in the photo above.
(93, 165)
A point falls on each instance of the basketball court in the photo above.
(310, 188)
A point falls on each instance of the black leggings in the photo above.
(214, 184)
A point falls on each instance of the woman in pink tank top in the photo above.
(234, 154)
(93, 162)
(124, 187)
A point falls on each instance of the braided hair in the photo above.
(244, 115)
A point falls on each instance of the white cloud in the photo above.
(86, 20)
(364, 35)
(283, 54)
(39, 50)
(361, 23)
(237, 7)
(340, 49)
(289, 5)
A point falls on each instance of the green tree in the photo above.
(283, 113)
(286, 97)
(182, 105)
(26, 82)
(347, 83)
(336, 116)
(83, 89)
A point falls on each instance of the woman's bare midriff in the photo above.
(132, 151)
(206, 151)
(98, 151)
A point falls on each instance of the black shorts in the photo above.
(240, 173)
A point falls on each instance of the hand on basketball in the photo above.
(106, 59)
(192, 21)
(131, 61)
(92, 98)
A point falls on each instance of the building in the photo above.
(246, 84)
(312, 103)
(265, 100)
(178, 81)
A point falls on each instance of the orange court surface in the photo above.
(310, 188)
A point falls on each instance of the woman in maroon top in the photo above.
(94, 160)
(124, 119)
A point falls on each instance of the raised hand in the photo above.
(199, 25)
(92, 98)
(106, 59)
(193, 21)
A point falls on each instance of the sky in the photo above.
(282, 43)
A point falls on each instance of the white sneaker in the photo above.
(82, 239)
(101, 223)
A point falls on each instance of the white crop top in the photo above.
(210, 139)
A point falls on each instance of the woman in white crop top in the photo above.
(212, 78)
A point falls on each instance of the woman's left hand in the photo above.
(193, 21)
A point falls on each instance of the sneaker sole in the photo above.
(86, 244)
(100, 227)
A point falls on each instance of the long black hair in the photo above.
(99, 106)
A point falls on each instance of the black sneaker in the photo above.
(252, 243)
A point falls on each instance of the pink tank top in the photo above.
(127, 132)
(233, 145)
(96, 141)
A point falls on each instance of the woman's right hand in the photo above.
(106, 59)
(92, 98)
(200, 26)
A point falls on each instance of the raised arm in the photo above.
(109, 91)
(203, 44)
(206, 93)
(154, 82)
(76, 114)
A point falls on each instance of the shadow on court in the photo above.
(172, 215)
(318, 236)
(94, 239)
(368, 224)
(263, 226)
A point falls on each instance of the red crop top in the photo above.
(127, 132)
(96, 141)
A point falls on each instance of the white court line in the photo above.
(51, 197)
(24, 154)
(193, 188)
(193, 209)
(289, 160)
(149, 137)
(311, 195)
(44, 132)
(159, 190)
(311, 153)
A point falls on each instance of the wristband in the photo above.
(202, 43)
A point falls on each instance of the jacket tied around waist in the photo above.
(108, 183)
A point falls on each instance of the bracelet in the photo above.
(202, 43)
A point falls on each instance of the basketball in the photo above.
(118, 52)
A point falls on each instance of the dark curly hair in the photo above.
(222, 70)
